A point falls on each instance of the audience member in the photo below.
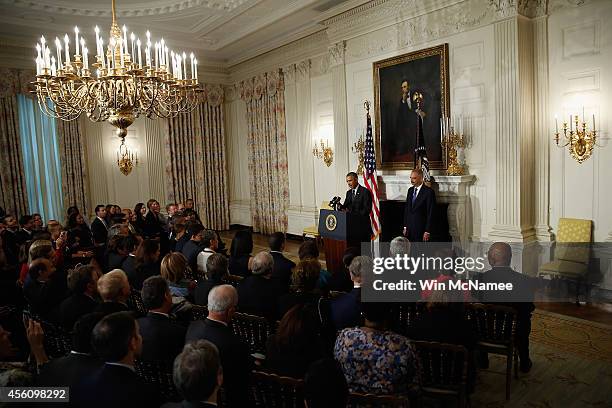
(146, 263)
(116, 340)
(83, 283)
(216, 270)
(373, 359)
(234, 353)
(114, 289)
(297, 342)
(175, 270)
(153, 222)
(10, 241)
(240, 253)
(189, 205)
(209, 244)
(325, 385)
(42, 291)
(79, 234)
(193, 247)
(303, 288)
(99, 226)
(139, 213)
(25, 232)
(282, 265)
(15, 374)
(162, 339)
(309, 250)
(178, 234)
(346, 310)
(197, 375)
(259, 293)
(117, 251)
(341, 280)
(37, 223)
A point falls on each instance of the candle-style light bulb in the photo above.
(195, 66)
(139, 57)
(66, 49)
(76, 40)
(556, 125)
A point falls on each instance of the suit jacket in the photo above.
(114, 260)
(23, 235)
(99, 231)
(191, 249)
(10, 244)
(73, 307)
(180, 243)
(162, 339)
(68, 371)
(114, 386)
(359, 203)
(259, 296)
(282, 269)
(234, 355)
(200, 294)
(521, 297)
(44, 297)
(346, 310)
(129, 265)
(419, 217)
(107, 308)
(153, 225)
(189, 404)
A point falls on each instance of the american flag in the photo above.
(420, 154)
(370, 178)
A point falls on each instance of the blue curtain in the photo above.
(41, 160)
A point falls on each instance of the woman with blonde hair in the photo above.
(175, 269)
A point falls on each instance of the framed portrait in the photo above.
(396, 81)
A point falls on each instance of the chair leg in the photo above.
(577, 292)
(516, 364)
(508, 374)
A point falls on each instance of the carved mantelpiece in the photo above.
(451, 190)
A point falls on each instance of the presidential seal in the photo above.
(331, 222)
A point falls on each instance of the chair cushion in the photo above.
(565, 269)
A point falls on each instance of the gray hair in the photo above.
(262, 263)
(221, 298)
(196, 369)
(360, 266)
(399, 246)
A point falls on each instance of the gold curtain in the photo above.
(75, 178)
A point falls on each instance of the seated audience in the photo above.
(325, 385)
(297, 342)
(42, 291)
(209, 244)
(346, 310)
(13, 374)
(303, 288)
(114, 289)
(69, 370)
(80, 237)
(234, 353)
(193, 247)
(83, 284)
(282, 265)
(146, 263)
(341, 280)
(118, 250)
(216, 270)
(116, 340)
(129, 262)
(309, 250)
(373, 359)
(162, 339)
(259, 293)
(174, 269)
(178, 234)
(240, 253)
(40, 248)
(197, 375)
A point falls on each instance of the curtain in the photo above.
(196, 164)
(40, 160)
(267, 145)
(13, 192)
(73, 165)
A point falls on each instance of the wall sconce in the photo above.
(324, 152)
(126, 160)
(579, 140)
(359, 149)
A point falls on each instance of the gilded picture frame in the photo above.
(425, 72)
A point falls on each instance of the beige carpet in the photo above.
(572, 367)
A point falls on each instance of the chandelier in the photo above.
(122, 83)
(579, 140)
(126, 160)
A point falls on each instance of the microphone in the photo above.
(335, 203)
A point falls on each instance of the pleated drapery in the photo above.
(75, 180)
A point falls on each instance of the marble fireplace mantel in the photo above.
(451, 190)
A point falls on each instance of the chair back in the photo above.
(135, 303)
(56, 341)
(233, 280)
(443, 368)
(273, 391)
(493, 324)
(253, 330)
(159, 375)
(358, 400)
(573, 239)
(198, 312)
(402, 316)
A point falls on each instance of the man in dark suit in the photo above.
(114, 289)
(346, 310)
(43, 290)
(83, 283)
(521, 297)
(197, 375)
(259, 293)
(234, 353)
(358, 199)
(69, 370)
(419, 211)
(282, 265)
(162, 339)
(116, 340)
(193, 247)
(10, 241)
(25, 233)
(99, 228)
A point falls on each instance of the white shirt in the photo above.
(203, 258)
(103, 222)
(122, 365)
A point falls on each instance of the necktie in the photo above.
(414, 195)
(354, 192)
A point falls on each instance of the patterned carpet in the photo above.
(572, 367)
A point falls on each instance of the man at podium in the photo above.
(358, 199)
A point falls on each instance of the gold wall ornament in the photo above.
(126, 160)
(359, 149)
(324, 152)
(452, 138)
(127, 78)
(577, 138)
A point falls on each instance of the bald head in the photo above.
(221, 298)
(263, 264)
(500, 254)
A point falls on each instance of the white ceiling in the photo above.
(220, 32)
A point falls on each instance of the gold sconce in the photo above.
(323, 151)
(126, 160)
(359, 149)
(579, 140)
(452, 138)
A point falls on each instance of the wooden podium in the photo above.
(339, 231)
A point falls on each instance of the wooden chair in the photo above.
(57, 342)
(443, 371)
(403, 316)
(357, 400)
(253, 330)
(158, 374)
(198, 312)
(136, 304)
(233, 280)
(495, 326)
(273, 391)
